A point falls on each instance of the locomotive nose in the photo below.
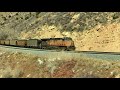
(72, 43)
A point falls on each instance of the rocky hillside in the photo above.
(98, 31)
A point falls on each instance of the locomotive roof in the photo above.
(52, 39)
(56, 38)
(65, 38)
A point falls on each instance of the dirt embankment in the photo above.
(18, 65)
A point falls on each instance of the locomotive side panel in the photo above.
(68, 43)
(55, 42)
(61, 43)
(22, 43)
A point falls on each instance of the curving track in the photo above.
(64, 54)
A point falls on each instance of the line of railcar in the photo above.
(46, 43)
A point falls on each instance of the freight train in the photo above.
(65, 43)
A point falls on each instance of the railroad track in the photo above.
(65, 54)
(88, 52)
(97, 52)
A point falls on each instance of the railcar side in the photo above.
(34, 43)
(7, 42)
(13, 42)
(2, 42)
(21, 43)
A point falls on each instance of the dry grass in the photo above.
(18, 65)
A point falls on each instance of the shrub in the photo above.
(115, 16)
(3, 35)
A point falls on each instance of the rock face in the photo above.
(96, 31)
